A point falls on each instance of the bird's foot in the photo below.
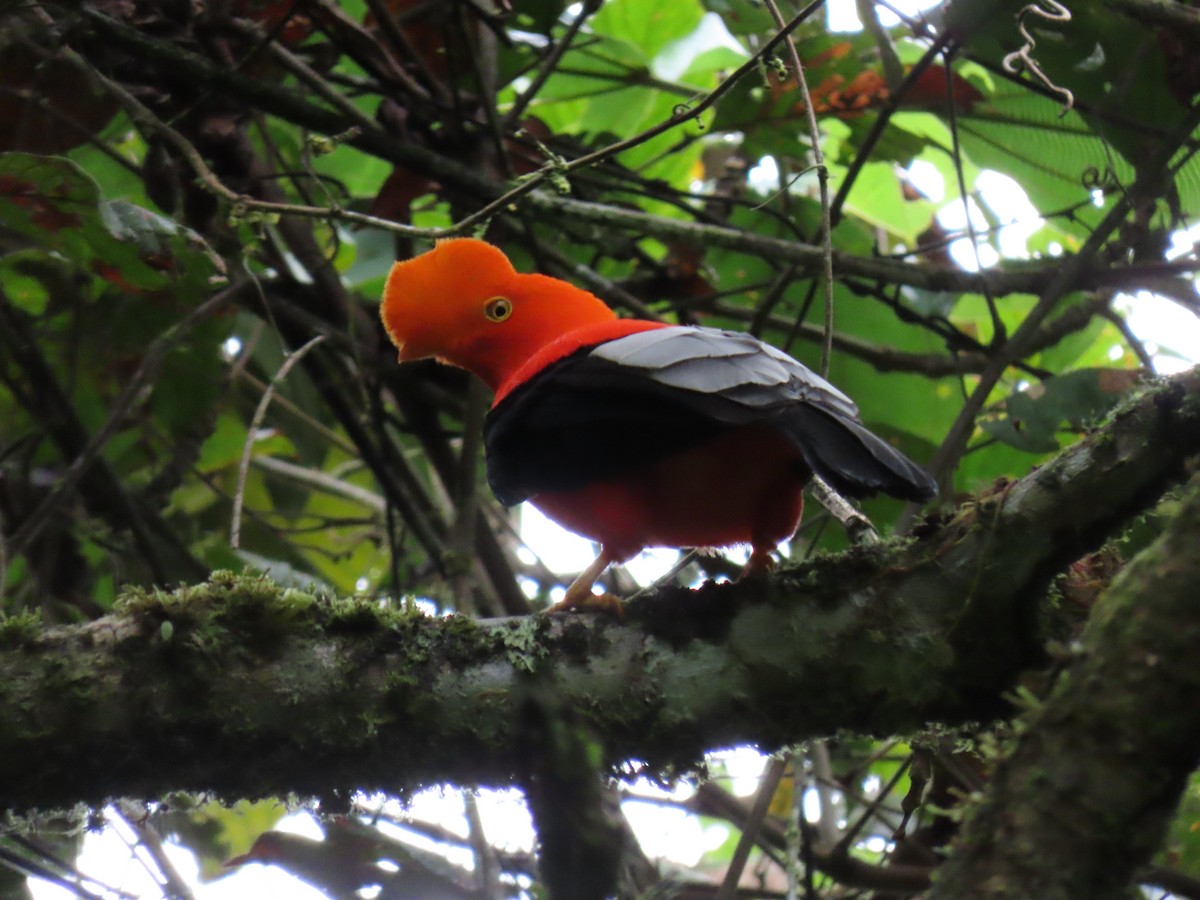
(603, 603)
(579, 595)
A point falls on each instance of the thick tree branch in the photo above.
(1097, 772)
(244, 689)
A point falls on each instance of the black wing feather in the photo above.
(615, 407)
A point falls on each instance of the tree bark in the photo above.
(244, 689)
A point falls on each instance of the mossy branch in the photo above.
(242, 688)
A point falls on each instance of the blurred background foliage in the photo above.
(158, 422)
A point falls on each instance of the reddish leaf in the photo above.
(272, 14)
(681, 276)
(929, 90)
(112, 275)
(836, 94)
(400, 189)
(444, 48)
(1183, 66)
(45, 212)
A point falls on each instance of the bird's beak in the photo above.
(409, 350)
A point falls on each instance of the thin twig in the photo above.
(1132, 340)
(853, 829)
(685, 560)
(3, 564)
(858, 527)
(36, 862)
(751, 826)
(260, 413)
(357, 43)
(466, 489)
(292, 107)
(153, 856)
(814, 130)
(301, 415)
(999, 332)
(391, 30)
(321, 481)
(549, 66)
(893, 71)
(799, 851)
(241, 204)
(822, 779)
(307, 75)
(155, 354)
(487, 866)
(881, 122)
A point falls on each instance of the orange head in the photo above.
(463, 303)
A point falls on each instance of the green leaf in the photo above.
(56, 205)
(43, 196)
(877, 198)
(648, 27)
(26, 277)
(1053, 158)
(1030, 419)
(704, 68)
(1182, 850)
(216, 833)
(742, 16)
(360, 174)
(224, 445)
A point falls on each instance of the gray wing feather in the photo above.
(708, 360)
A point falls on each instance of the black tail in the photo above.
(851, 459)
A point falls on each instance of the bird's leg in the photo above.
(579, 595)
(760, 562)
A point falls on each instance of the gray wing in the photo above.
(734, 364)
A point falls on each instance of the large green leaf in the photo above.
(1032, 418)
(56, 205)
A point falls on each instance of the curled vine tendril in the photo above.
(1094, 179)
(1051, 11)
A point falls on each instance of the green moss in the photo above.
(461, 629)
(20, 630)
(134, 601)
(248, 611)
(459, 639)
(357, 615)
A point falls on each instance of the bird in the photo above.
(630, 432)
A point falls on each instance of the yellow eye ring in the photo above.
(498, 309)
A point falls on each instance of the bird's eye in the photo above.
(498, 309)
